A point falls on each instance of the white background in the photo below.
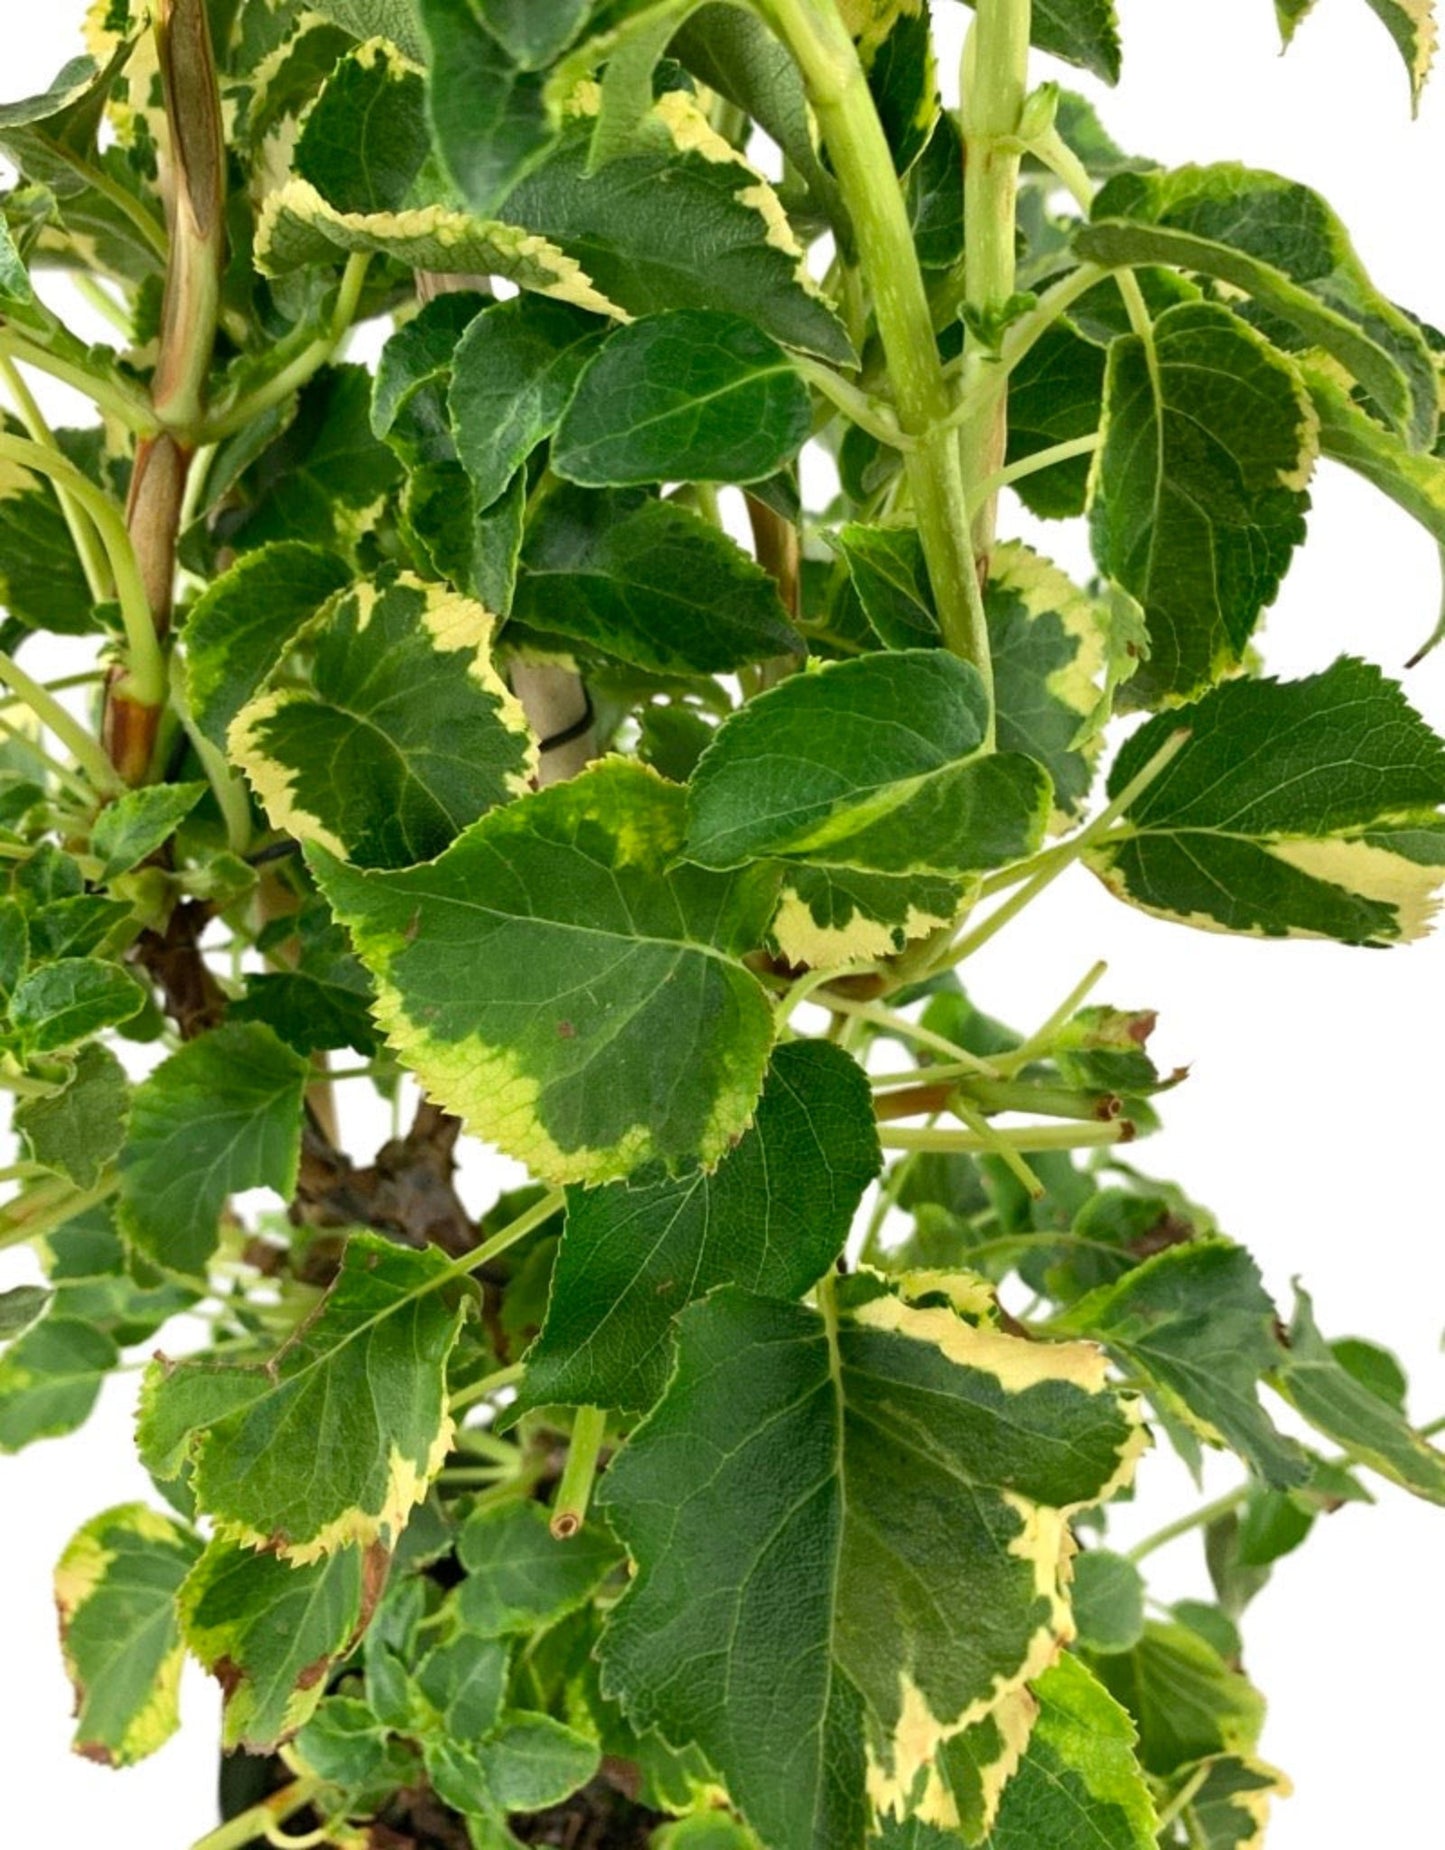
(1311, 1123)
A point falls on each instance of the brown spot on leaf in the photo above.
(566, 1031)
(95, 1750)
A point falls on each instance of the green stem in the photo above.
(1046, 1101)
(126, 407)
(1041, 459)
(47, 709)
(248, 1825)
(49, 1205)
(994, 85)
(536, 1216)
(1429, 1432)
(229, 418)
(83, 535)
(1028, 1140)
(1185, 1525)
(1041, 1040)
(79, 787)
(1174, 1809)
(858, 406)
(999, 1143)
(574, 1493)
(838, 90)
(146, 679)
(1068, 852)
(880, 1017)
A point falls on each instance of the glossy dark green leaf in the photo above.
(935, 197)
(649, 583)
(772, 1219)
(115, 1594)
(364, 139)
(323, 1000)
(659, 1057)
(1198, 493)
(873, 764)
(357, 1396)
(895, 47)
(1303, 807)
(41, 582)
(724, 242)
(1055, 394)
(242, 625)
(489, 116)
(399, 733)
(78, 1132)
(222, 1114)
(693, 396)
(1197, 1324)
(1280, 243)
(409, 397)
(815, 1504)
(514, 373)
(890, 575)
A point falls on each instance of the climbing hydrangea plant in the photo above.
(740, 1481)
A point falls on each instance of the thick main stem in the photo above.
(195, 210)
(995, 83)
(838, 90)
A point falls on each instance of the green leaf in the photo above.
(649, 583)
(1371, 1429)
(1108, 1596)
(464, 1682)
(78, 1132)
(115, 1592)
(489, 116)
(1230, 1809)
(50, 1378)
(895, 48)
(70, 1000)
(1049, 642)
(21, 1307)
(323, 481)
(244, 622)
(520, 1578)
(330, 1441)
(1187, 1703)
(534, 31)
(346, 1745)
(875, 764)
(1197, 1323)
(324, 999)
(409, 396)
(297, 228)
(1198, 493)
(890, 575)
(772, 1219)
(1305, 807)
(531, 1762)
(221, 1115)
(1410, 23)
(137, 823)
(389, 19)
(1084, 32)
(1281, 244)
(270, 1630)
(398, 733)
(1078, 1780)
(42, 584)
(514, 371)
(831, 916)
(934, 195)
(659, 1057)
(691, 396)
(833, 1578)
(1055, 394)
(364, 139)
(724, 243)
